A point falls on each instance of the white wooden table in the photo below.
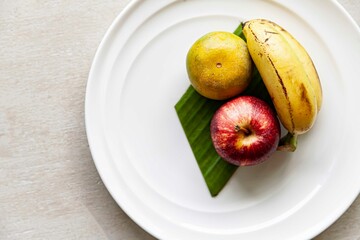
(49, 187)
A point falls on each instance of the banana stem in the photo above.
(288, 143)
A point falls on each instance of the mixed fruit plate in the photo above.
(246, 87)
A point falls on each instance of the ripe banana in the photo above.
(288, 74)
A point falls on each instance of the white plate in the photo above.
(142, 154)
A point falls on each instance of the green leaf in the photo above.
(195, 113)
(239, 31)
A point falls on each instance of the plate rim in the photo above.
(121, 16)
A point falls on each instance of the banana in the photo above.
(288, 74)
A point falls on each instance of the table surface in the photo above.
(50, 188)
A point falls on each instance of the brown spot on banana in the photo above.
(308, 108)
(288, 103)
(292, 93)
(271, 32)
(304, 95)
(306, 60)
(255, 37)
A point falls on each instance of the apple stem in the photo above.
(242, 129)
(288, 143)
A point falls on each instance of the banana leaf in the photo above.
(195, 113)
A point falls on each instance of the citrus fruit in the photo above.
(219, 65)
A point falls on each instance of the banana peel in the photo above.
(289, 76)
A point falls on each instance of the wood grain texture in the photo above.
(49, 187)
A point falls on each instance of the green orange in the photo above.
(219, 65)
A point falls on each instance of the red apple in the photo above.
(245, 131)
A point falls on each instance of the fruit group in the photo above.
(219, 65)
(245, 131)
(288, 74)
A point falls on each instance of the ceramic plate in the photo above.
(141, 151)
